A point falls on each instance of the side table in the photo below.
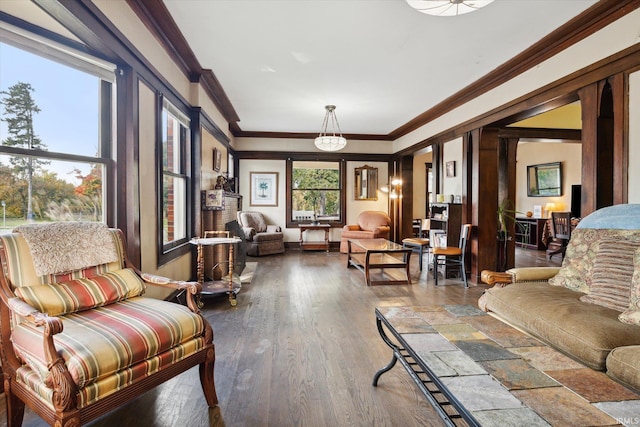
(217, 287)
(314, 245)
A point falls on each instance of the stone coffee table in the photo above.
(476, 370)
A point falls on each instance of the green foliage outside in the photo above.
(316, 190)
(30, 191)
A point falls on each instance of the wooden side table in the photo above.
(215, 287)
(314, 245)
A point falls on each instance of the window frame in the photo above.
(291, 223)
(104, 72)
(178, 247)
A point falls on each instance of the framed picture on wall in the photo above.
(264, 189)
(217, 159)
(451, 168)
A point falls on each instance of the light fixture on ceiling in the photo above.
(447, 7)
(329, 141)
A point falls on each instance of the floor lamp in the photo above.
(395, 199)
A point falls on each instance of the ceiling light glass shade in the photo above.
(328, 140)
(447, 7)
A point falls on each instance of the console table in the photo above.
(476, 370)
(314, 245)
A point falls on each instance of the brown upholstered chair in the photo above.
(370, 225)
(561, 231)
(262, 239)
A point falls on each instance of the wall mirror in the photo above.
(366, 181)
(544, 180)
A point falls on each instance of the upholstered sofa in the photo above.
(370, 225)
(262, 239)
(590, 307)
(78, 336)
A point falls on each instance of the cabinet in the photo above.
(529, 232)
(446, 218)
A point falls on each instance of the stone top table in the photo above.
(476, 370)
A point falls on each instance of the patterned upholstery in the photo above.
(93, 343)
(82, 294)
(107, 336)
(262, 239)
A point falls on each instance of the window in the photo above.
(316, 192)
(175, 182)
(55, 151)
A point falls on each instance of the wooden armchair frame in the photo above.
(66, 413)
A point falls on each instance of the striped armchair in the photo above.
(78, 337)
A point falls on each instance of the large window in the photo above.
(175, 182)
(316, 192)
(55, 133)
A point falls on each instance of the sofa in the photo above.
(370, 225)
(589, 308)
(78, 336)
(261, 238)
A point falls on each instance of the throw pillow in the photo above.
(82, 294)
(632, 313)
(612, 274)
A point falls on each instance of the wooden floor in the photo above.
(300, 349)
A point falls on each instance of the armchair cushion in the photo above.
(253, 220)
(370, 225)
(371, 220)
(82, 294)
(93, 347)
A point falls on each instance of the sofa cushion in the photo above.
(555, 314)
(100, 342)
(612, 274)
(623, 364)
(82, 294)
(253, 220)
(582, 253)
(632, 313)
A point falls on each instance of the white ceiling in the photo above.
(379, 61)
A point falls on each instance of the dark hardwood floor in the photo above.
(300, 349)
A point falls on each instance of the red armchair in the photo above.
(371, 225)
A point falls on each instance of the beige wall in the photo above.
(208, 175)
(277, 215)
(419, 183)
(452, 152)
(532, 153)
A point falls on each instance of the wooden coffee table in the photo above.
(368, 254)
(476, 370)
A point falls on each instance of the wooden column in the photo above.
(484, 200)
(507, 149)
(604, 149)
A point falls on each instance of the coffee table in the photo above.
(476, 370)
(368, 254)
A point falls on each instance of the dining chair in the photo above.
(561, 231)
(452, 255)
(419, 244)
